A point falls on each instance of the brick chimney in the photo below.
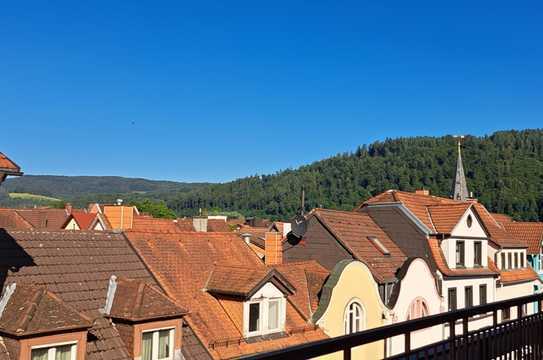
(273, 248)
(422, 192)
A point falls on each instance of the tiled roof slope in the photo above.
(7, 166)
(501, 218)
(34, 310)
(445, 217)
(217, 225)
(45, 218)
(234, 280)
(11, 219)
(441, 263)
(148, 223)
(76, 266)
(353, 230)
(529, 232)
(137, 300)
(183, 262)
(518, 275)
(84, 219)
(438, 221)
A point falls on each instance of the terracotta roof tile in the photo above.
(501, 218)
(442, 266)
(147, 223)
(518, 275)
(420, 205)
(136, 300)
(217, 225)
(183, 263)
(83, 219)
(233, 280)
(45, 218)
(8, 167)
(355, 230)
(530, 233)
(35, 310)
(11, 219)
(445, 217)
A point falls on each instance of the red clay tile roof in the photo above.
(420, 204)
(8, 167)
(11, 219)
(445, 217)
(518, 275)
(136, 300)
(83, 219)
(501, 218)
(308, 278)
(529, 232)
(442, 266)
(35, 310)
(353, 230)
(147, 223)
(45, 218)
(185, 225)
(242, 281)
(183, 263)
(217, 225)
(76, 266)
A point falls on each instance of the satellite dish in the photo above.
(299, 226)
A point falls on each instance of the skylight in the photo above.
(379, 245)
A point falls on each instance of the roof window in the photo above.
(379, 245)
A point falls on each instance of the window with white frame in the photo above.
(354, 318)
(64, 351)
(157, 344)
(264, 316)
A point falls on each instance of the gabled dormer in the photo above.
(464, 237)
(149, 322)
(259, 294)
(37, 324)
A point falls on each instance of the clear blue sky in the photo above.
(215, 90)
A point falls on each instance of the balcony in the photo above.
(519, 338)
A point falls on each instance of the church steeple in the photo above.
(460, 184)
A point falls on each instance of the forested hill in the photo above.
(504, 170)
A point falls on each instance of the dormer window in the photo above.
(460, 259)
(469, 221)
(265, 316)
(157, 344)
(62, 351)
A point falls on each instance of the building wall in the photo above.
(354, 281)
(510, 263)
(317, 244)
(72, 225)
(80, 338)
(460, 285)
(418, 282)
(504, 292)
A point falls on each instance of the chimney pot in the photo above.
(273, 248)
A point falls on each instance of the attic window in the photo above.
(58, 351)
(379, 245)
(469, 221)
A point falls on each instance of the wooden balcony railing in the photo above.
(520, 337)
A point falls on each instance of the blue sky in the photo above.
(216, 90)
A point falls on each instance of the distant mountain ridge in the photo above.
(504, 170)
(68, 187)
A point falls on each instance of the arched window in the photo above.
(417, 309)
(354, 318)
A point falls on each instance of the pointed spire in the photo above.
(460, 184)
